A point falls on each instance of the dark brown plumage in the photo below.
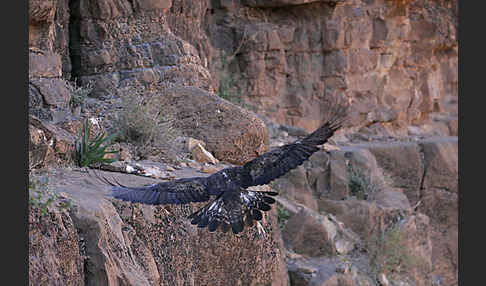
(234, 205)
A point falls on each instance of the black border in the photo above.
(15, 52)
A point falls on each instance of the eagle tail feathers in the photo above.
(234, 210)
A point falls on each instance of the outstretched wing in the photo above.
(234, 205)
(233, 209)
(279, 161)
(179, 191)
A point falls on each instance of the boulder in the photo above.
(294, 186)
(231, 133)
(441, 163)
(54, 91)
(402, 163)
(324, 271)
(362, 217)
(310, 234)
(363, 161)
(338, 177)
(48, 144)
(202, 156)
(392, 198)
(301, 272)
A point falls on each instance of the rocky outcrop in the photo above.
(133, 244)
(411, 192)
(119, 45)
(48, 144)
(439, 196)
(54, 254)
(311, 234)
(397, 60)
(231, 133)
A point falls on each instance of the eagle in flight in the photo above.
(234, 205)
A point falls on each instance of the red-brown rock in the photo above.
(133, 244)
(231, 133)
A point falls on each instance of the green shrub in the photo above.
(144, 122)
(92, 151)
(283, 215)
(78, 93)
(390, 255)
(42, 198)
(360, 185)
(227, 80)
(391, 252)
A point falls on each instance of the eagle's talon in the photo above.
(261, 229)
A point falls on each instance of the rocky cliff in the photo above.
(372, 188)
(356, 216)
(108, 242)
(342, 218)
(397, 60)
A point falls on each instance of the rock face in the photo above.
(133, 244)
(48, 59)
(54, 254)
(117, 44)
(48, 144)
(411, 186)
(313, 235)
(397, 60)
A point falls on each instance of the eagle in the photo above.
(233, 205)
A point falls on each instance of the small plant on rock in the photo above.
(78, 93)
(360, 185)
(92, 151)
(144, 122)
(42, 198)
(389, 253)
(227, 88)
(283, 215)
